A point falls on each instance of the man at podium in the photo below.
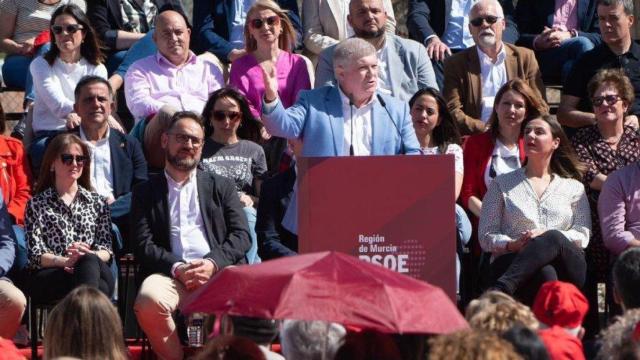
(351, 118)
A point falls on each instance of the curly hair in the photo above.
(471, 345)
(616, 338)
(497, 312)
(613, 77)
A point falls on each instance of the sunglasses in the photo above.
(223, 115)
(609, 99)
(489, 19)
(68, 159)
(184, 139)
(271, 21)
(69, 29)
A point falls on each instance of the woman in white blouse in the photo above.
(536, 221)
(74, 54)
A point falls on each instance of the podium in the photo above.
(395, 211)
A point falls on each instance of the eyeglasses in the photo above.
(223, 115)
(489, 19)
(184, 139)
(70, 29)
(609, 99)
(271, 21)
(68, 159)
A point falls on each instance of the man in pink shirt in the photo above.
(171, 80)
(559, 31)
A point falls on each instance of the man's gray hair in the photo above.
(627, 5)
(499, 11)
(311, 340)
(350, 50)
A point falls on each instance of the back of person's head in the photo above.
(618, 335)
(230, 347)
(313, 340)
(500, 317)
(487, 298)
(526, 343)
(626, 278)
(368, 345)
(261, 331)
(471, 345)
(561, 304)
(84, 325)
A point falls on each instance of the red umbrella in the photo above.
(329, 286)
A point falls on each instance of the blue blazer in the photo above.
(317, 118)
(212, 21)
(533, 15)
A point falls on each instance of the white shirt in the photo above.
(101, 172)
(503, 160)
(187, 235)
(453, 149)
(362, 127)
(456, 34)
(511, 206)
(54, 86)
(493, 76)
(236, 33)
(384, 75)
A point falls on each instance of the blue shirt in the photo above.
(457, 35)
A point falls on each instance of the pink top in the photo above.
(566, 15)
(154, 81)
(292, 72)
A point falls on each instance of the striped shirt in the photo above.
(31, 16)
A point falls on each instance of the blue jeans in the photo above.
(555, 64)
(119, 61)
(38, 147)
(21, 249)
(15, 71)
(463, 230)
(252, 254)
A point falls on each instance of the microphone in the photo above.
(384, 105)
(351, 152)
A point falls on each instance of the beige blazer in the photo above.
(463, 90)
(324, 26)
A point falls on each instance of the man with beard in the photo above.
(473, 77)
(187, 225)
(403, 65)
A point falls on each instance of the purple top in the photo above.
(619, 208)
(292, 72)
(154, 81)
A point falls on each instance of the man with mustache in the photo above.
(187, 225)
(473, 77)
(403, 65)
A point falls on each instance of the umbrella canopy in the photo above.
(329, 286)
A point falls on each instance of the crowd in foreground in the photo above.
(204, 177)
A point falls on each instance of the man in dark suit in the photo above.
(441, 26)
(274, 239)
(117, 161)
(188, 225)
(215, 26)
(558, 36)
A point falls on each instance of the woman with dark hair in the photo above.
(269, 40)
(74, 54)
(501, 149)
(535, 221)
(24, 36)
(230, 151)
(438, 134)
(68, 226)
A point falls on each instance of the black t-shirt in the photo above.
(240, 162)
(598, 58)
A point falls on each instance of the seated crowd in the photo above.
(204, 176)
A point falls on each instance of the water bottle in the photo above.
(195, 330)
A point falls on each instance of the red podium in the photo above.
(396, 211)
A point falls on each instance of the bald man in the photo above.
(173, 79)
(473, 76)
(403, 65)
